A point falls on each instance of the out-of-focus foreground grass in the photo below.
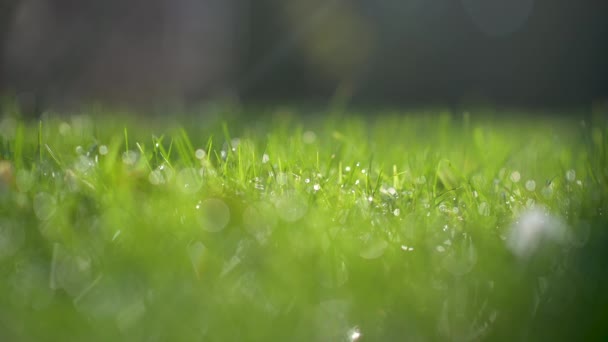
(293, 228)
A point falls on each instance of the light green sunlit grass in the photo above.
(295, 228)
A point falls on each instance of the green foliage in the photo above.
(397, 227)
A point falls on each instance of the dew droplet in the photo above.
(129, 157)
(316, 187)
(103, 150)
(291, 206)
(214, 215)
(547, 192)
(156, 177)
(200, 154)
(44, 206)
(189, 180)
(265, 158)
(530, 185)
(397, 212)
(571, 175)
(515, 176)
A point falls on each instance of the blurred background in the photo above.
(407, 52)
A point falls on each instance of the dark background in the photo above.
(408, 52)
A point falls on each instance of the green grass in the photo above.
(289, 227)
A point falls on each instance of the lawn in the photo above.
(287, 226)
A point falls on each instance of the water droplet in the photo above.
(130, 157)
(515, 176)
(189, 180)
(79, 150)
(363, 171)
(397, 212)
(83, 164)
(316, 187)
(291, 206)
(214, 215)
(483, 209)
(44, 206)
(347, 169)
(440, 249)
(24, 180)
(309, 137)
(530, 185)
(307, 180)
(373, 249)
(547, 192)
(265, 158)
(200, 154)
(421, 180)
(12, 237)
(103, 150)
(571, 175)
(156, 177)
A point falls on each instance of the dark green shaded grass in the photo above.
(395, 226)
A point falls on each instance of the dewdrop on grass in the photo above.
(571, 175)
(515, 176)
(200, 154)
(530, 185)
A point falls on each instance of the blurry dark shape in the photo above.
(521, 52)
(162, 52)
(133, 52)
(498, 17)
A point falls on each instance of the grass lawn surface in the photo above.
(292, 227)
